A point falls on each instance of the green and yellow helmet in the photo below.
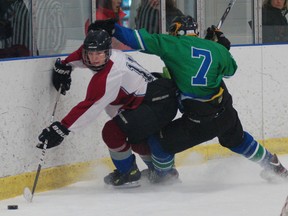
(184, 25)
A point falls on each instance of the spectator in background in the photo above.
(5, 24)
(106, 9)
(14, 29)
(171, 12)
(133, 12)
(148, 15)
(274, 22)
(109, 9)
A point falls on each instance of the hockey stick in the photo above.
(226, 12)
(284, 211)
(28, 195)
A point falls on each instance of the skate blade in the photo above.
(168, 182)
(145, 177)
(127, 185)
(27, 194)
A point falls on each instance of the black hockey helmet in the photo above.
(96, 40)
(183, 25)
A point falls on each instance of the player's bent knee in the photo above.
(112, 135)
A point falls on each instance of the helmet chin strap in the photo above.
(100, 67)
(97, 68)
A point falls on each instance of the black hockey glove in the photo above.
(53, 135)
(61, 75)
(212, 33)
(222, 39)
(107, 25)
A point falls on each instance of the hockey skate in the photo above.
(124, 180)
(274, 170)
(145, 173)
(165, 177)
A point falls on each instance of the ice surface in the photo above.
(222, 187)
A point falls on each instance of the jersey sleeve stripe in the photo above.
(139, 39)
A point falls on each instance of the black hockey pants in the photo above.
(157, 110)
(211, 121)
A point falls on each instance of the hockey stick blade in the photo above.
(226, 12)
(27, 194)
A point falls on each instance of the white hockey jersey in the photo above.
(120, 85)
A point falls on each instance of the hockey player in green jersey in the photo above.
(198, 67)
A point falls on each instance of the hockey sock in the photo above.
(143, 150)
(161, 160)
(252, 150)
(147, 159)
(123, 161)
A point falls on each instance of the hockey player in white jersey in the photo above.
(138, 103)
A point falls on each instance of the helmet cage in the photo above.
(86, 60)
(96, 41)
